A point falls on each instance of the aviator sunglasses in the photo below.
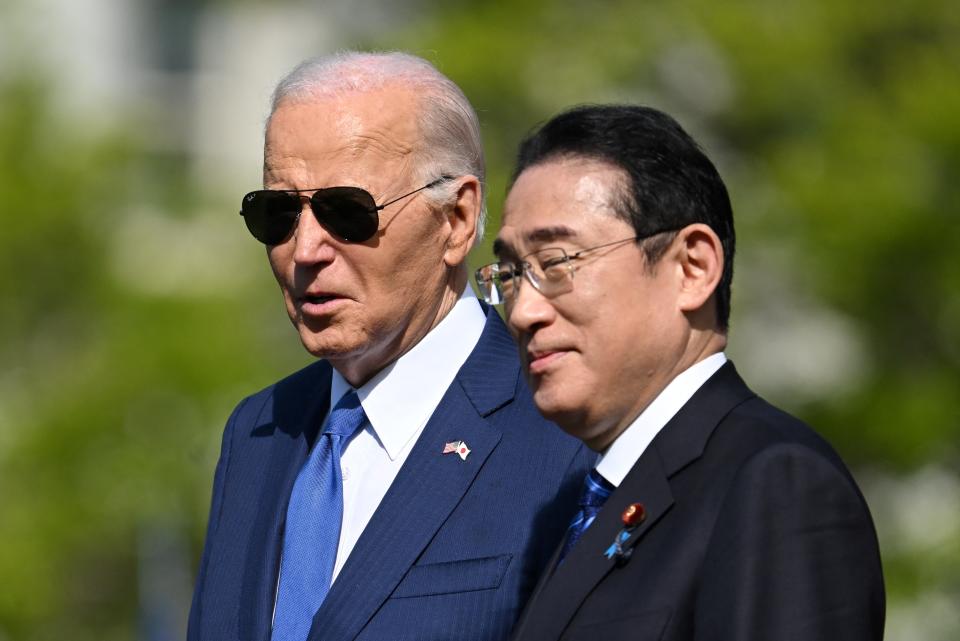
(350, 213)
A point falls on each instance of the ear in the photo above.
(462, 221)
(701, 259)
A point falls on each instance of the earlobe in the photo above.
(462, 220)
(701, 261)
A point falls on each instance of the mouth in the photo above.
(318, 304)
(541, 361)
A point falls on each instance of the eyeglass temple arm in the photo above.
(443, 178)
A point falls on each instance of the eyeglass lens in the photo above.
(548, 270)
(348, 212)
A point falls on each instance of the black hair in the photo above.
(670, 181)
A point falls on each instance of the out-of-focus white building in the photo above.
(190, 81)
(193, 79)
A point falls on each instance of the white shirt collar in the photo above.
(617, 461)
(401, 397)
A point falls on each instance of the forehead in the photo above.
(378, 125)
(566, 199)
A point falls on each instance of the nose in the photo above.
(311, 239)
(528, 310)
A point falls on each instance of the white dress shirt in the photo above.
(618, 459)
(398, 402)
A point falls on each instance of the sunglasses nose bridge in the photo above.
(315, 219)
(303, 201)
(311, 237)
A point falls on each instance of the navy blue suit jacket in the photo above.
(754, 531)
(455, 546)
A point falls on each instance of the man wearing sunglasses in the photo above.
(710, 515)
(404, 486)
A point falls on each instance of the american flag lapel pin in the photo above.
(458, 447)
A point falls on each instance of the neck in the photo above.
(699, 345)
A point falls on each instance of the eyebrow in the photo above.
(540, 234)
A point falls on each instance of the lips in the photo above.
(539, 361)
(318, 303)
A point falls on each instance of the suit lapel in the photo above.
(586, 564)
(428, 488)
(684, 438)
(297, 412)
(682, 441)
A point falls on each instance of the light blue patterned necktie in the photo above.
(596, 491)
(314, 517)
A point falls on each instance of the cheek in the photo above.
(279, 258)
(607, 334)
(416, 270)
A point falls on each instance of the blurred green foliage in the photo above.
(835, 125)
(111, 399)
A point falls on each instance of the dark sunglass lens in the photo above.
(270, 215)
(348, 212)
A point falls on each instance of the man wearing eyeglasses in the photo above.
(404, 486)
(711, 514)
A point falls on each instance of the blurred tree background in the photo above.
(136, 311)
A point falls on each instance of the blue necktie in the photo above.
(596, 490)
(314, 516)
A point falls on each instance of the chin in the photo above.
(328, 343)
(558, 409)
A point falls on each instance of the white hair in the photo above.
(447, 121)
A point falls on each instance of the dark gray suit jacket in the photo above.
(754, 530)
